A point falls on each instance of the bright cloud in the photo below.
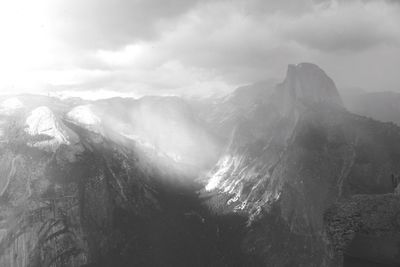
(192, 47)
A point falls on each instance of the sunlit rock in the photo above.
(85, 116)
(49, 131)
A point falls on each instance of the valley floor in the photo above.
(185, 234)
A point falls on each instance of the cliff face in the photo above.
(82, 193)
(307, 83)
(291, 158)
(300, 181)
(365, 227)
(63, 210)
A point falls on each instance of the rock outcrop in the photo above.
(58, 210)
(42, 122)
(291, 158)
(365, 227)
(85, 116)
(110, 204)
(300, 181)
(306, 83)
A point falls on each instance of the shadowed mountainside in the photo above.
(271, 175)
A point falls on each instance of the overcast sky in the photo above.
(99, 48)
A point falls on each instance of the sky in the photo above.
(103, 48)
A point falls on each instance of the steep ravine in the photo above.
(108, 207)
(300, 181)
(294, 156)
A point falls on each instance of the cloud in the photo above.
(237, 47)
(243, 45)
(105, 24)
(347, 26)
(143, 47)
(109, 24)
(170, 78)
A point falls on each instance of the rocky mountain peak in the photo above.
(85, 116)
(42, 121)
(308, 83)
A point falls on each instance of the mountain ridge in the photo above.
(255, 178)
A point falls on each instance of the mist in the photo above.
(166, 130)
(200, 133)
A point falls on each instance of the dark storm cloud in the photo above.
(351, 26)
(202, 45)
(344, 39)
(262, 7)
(240, 45)
(151, 44)
(110, 24)
(316, 24)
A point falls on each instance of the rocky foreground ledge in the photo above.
(366, 227)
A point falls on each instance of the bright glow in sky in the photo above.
(185, 47)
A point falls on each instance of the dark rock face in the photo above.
(57, 212)
(307, 83)
(110, 204)
(300, 181)
(294, 156)
(365, 227)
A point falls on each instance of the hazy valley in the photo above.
(284, 174)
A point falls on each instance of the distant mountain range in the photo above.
(290, 158)
(382, 106)
(271, 175)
